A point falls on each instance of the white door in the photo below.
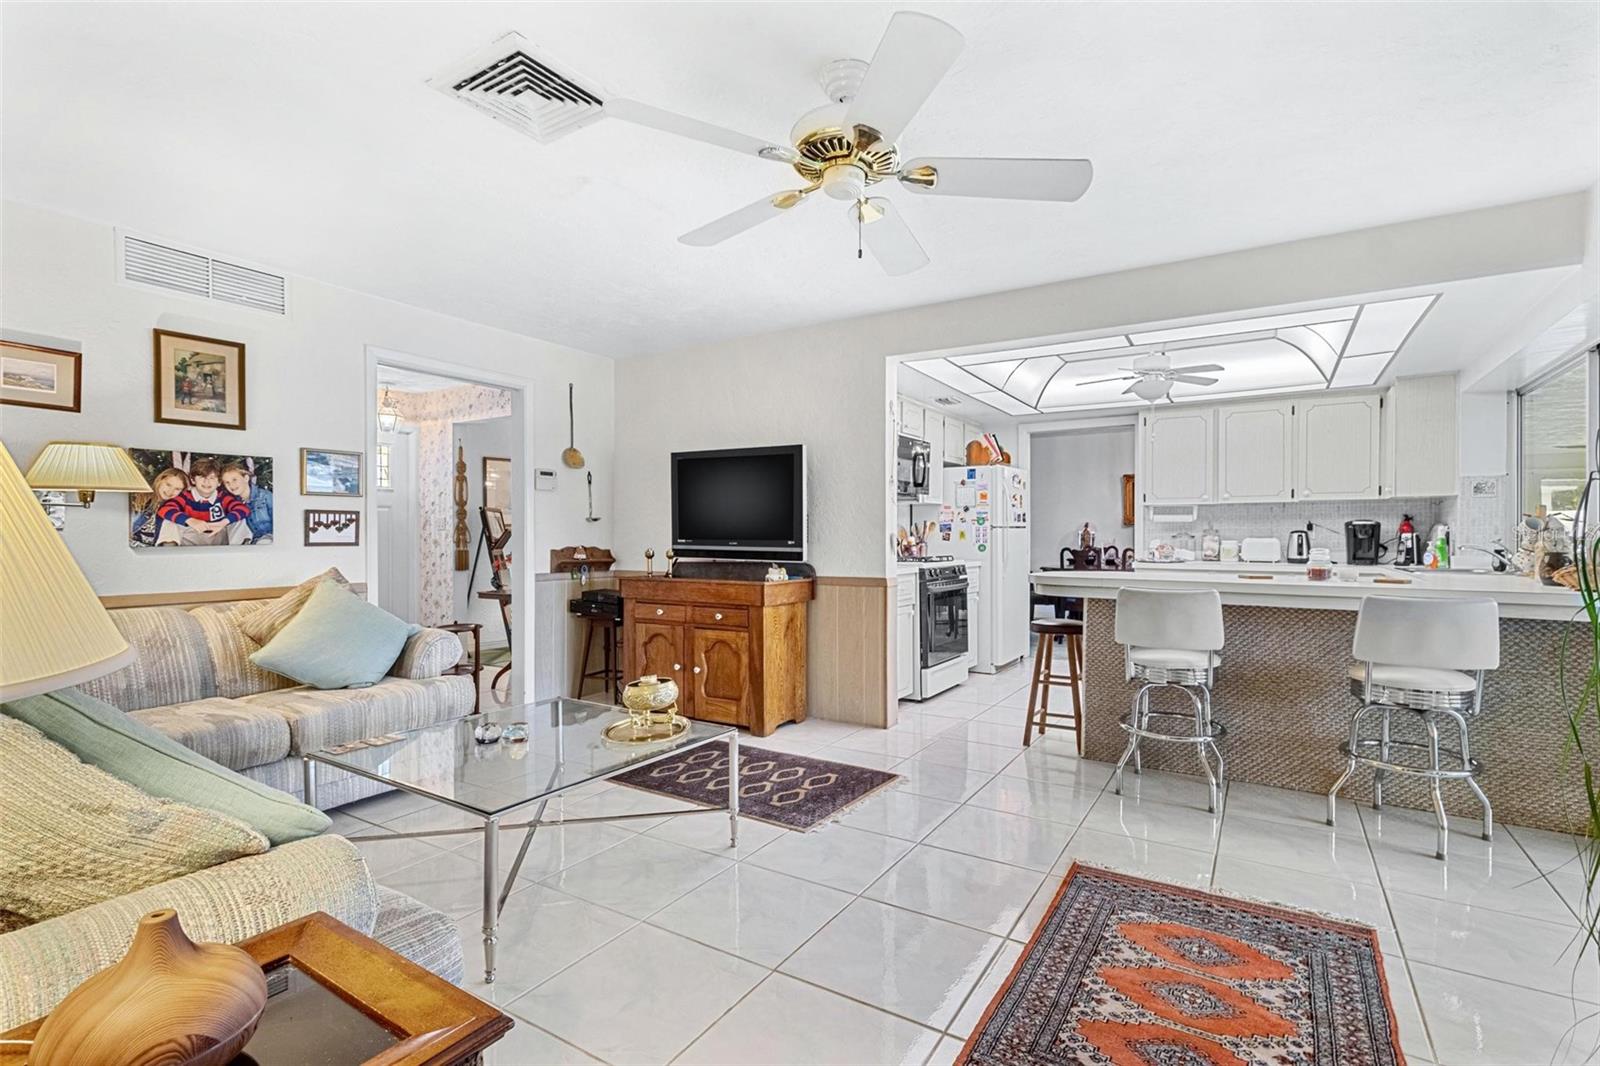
(1178, 455)
(1255, 449)
(395, 522)
(1336, 448)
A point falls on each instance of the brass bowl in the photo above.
(649, 694)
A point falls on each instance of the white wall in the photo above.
(306, 387)
(1076, 477)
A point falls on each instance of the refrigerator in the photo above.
(988, 527)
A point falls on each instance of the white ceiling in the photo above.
(303, 136)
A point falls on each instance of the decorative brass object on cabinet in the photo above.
(649, 562)
(169, 1002)
(463, 541)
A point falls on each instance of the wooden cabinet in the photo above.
(1336, 447)
(737, 649)
(1178, 455)
(1255, 449)
(1421, 440)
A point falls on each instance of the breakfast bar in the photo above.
(1283, 689)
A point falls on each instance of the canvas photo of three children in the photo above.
(200, 499)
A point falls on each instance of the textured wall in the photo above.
(1077, 478)
(1284, 696)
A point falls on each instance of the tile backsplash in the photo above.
(1235, 521)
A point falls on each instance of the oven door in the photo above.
(944, 621)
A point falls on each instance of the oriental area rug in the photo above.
(1131, 972)
(788, 790)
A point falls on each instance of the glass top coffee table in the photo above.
(565, 749)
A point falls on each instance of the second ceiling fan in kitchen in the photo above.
(1153, 375)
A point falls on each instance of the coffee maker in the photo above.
(1363, 542)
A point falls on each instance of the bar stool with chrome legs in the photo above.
(1172, 641)
(1416, 656)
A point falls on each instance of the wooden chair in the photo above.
(1045, 678)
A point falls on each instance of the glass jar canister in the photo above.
(1319, 567)
(1210, 545)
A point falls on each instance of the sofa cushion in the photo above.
(336, 641)
(71, 835)
(320, 719)
(231, 648)
(173, 664)
(263, 622)
(236, 734)
(132, 751)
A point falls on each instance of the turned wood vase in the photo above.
(169, 1002)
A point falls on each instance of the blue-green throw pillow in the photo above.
(337, 640)
(153, 762)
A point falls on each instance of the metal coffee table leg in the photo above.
(491, 883)
(733, 790)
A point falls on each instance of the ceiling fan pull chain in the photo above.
(860, 215)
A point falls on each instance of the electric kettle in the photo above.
(1299, 545)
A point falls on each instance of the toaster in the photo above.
(1260, 550)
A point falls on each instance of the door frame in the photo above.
(408, 440)
(523, 499)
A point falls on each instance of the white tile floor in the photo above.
(881, 938)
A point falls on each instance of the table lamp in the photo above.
(53, 631)
(86, 467)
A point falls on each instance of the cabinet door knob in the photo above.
(697, 669)
(677, 668)
(718, 616)
(661, 610)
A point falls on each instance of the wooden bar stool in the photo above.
(610, 672)
(1044, 677)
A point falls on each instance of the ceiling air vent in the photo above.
(511, 81)
(166, 266)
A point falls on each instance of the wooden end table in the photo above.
(334, 995)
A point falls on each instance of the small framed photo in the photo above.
(328, 473)
(332, 528)
(34, 376)
(199, 380)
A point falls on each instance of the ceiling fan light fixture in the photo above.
(845, 181)
(1150, 389)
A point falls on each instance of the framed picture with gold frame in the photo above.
(32, 375)
(199, 380)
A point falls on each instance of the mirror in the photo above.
(497, 486)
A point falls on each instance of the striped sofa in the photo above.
(193, 680)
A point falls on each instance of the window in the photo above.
(381, 468)
(1553, 438)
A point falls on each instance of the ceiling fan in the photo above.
(1153, 376)
(845, 147)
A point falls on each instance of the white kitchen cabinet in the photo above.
(1179, 455)
(1421, 449)
(1255, 452)
(955, 441)
(912, 418)
(933, 433)
(1336, 447)
(905, 632)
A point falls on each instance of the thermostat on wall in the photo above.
(544, 481)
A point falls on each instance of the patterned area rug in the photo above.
(788, 790)
(1131, 972)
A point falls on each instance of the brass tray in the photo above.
(628, 731)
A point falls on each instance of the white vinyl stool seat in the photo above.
(1172, 641)
(1443, 648)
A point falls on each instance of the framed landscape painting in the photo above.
(35, 376)
(200, 499)
(199, 380)
(329, 473)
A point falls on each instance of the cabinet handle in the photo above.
(718, 616)
(697, 669)
(661, 610)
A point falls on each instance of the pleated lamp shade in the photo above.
(53, 631)
(86, 467)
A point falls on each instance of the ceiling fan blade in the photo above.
(912, 58)
(731, 225)
(999, 179)
(1130, 388)
(692, 128)
(1200, 368)
(1193, 379)
(887, 237)
(1102, 381)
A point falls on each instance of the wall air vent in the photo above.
(166, 266)
(511, 81)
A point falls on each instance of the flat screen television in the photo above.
(740, 503)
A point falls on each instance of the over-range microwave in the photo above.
(913, 474)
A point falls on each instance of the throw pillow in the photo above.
(71, 835)
(262, 624)
(337, 640)
(152, 762)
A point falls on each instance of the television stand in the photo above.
(736, 648)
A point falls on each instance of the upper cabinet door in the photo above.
(1178, 455)
(1422, 425)
(955, 441)
(933, 433)
(1255, 449)
(911, 418)
(1336, 448)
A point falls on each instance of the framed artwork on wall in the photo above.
(332, 528)
(199, 380)
(329, 473)
(497, 484)
(35, 376)
(200, 499)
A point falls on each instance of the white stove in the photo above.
(944, 626)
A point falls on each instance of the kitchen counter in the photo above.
(1283, 688)
(1285, 585)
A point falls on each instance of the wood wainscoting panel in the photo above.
(850, 645)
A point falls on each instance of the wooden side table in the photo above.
(474, 666)
(334, 995)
